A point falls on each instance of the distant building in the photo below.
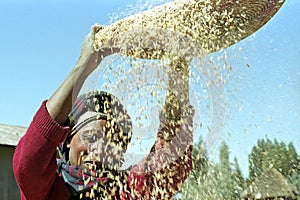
(271, 185)
(9, 138)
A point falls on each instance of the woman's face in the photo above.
(90, 148)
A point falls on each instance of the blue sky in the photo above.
(41, 41)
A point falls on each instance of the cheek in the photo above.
(72, 158)
(76, 150)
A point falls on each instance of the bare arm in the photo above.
(170, 161)
(34, 160)
(60, 103)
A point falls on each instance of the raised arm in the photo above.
(34, 160)
(60, 103)
(170, 160)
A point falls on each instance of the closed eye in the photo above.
(91, 135)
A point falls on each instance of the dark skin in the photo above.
(59, 106)
(83, 153)
(60, 103)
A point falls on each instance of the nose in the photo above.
(96, 148)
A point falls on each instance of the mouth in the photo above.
(92, 165)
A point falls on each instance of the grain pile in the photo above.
(213, 24)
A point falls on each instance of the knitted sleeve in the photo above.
(34, 161)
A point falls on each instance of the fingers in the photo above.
(95, 29)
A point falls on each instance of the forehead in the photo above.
(95, 124)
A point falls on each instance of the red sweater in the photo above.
(34, 165)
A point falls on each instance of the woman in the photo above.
(92, 139)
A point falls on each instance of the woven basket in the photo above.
(211, 25)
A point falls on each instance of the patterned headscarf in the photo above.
(106, 107)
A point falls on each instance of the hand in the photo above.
(60, 103)
(90, 57)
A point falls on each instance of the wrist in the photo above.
(84, 67)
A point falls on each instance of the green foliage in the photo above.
(230, 178)
(220, 181)
(275, 154)
(278, 155)
(224, 180)
(200, 162)
(238, 180)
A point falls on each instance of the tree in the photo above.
(238, 180)
(294, 172)
(224, 157)
(200, 162)
(256, 161)
(275, 154)
(224, 169)
(191, 186)
(222, 180)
